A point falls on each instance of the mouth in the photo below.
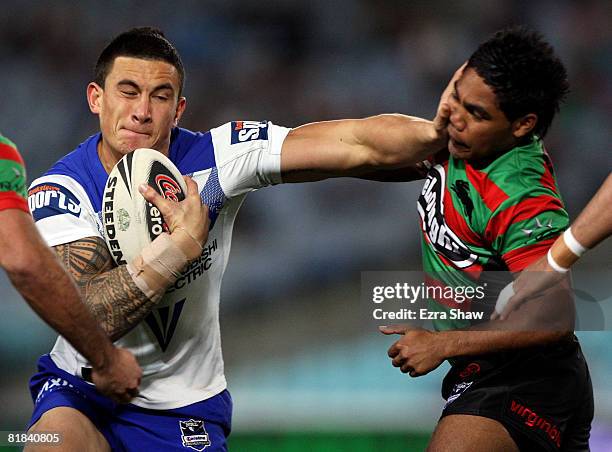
(457, 146)
(135, 133)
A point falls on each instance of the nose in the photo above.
(456, 117)
(142, 110)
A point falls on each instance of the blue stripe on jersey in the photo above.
(189, 151)
(212, 195)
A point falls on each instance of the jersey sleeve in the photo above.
(524, 227)
(248, 155)
(61, 209)
(12, 177)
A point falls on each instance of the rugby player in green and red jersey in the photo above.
(38, 276)
(492, 203)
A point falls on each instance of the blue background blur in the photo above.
(297, 355)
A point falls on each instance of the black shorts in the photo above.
(543, 396)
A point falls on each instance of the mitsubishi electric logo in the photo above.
(431, 209)
(163, 325)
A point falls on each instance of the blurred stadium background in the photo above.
(304, 372)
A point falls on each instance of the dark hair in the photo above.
(143, 42)
(524, 73)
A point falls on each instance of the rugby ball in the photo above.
(130, 221)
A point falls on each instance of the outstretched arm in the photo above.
(363, 147)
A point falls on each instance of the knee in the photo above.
(74, 428)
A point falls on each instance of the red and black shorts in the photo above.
(543, 396)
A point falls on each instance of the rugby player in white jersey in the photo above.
(171, 322)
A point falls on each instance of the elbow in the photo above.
(20, 267)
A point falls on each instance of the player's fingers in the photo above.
(442, 117)
(155, 198)
(392, 329)
(398, 361)
(393, 351)
(407, 368)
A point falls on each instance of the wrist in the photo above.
(189, 244)
(105, 356)
(444, 344)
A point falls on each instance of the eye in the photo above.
(129, 93)
(161, 97)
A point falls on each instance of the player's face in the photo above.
(478, 129)
(138, 106)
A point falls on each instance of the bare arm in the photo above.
(365, 147)
(110, 292)
(38, 276)
(357, 147)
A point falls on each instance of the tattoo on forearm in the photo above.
(110, 293)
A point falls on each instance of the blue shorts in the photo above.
(200, 426)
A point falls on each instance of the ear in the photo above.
(523, 125)
(180, 108)
(94, 97)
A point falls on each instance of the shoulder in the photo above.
(523, 169)
(56, 194)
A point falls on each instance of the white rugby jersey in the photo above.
(178, 344)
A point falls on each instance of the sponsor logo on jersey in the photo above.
(431, 209)
(534, 421)
(243, 131)
(163, 325)
(197, 268)
(49, 199)
(194, 435)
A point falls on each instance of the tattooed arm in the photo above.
(110, 291)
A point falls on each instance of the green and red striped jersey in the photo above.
(12, 177)
(501, 215)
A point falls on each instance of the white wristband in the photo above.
(573, 244)
(556, 267)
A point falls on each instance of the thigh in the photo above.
(466, 433)
(76, 430)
